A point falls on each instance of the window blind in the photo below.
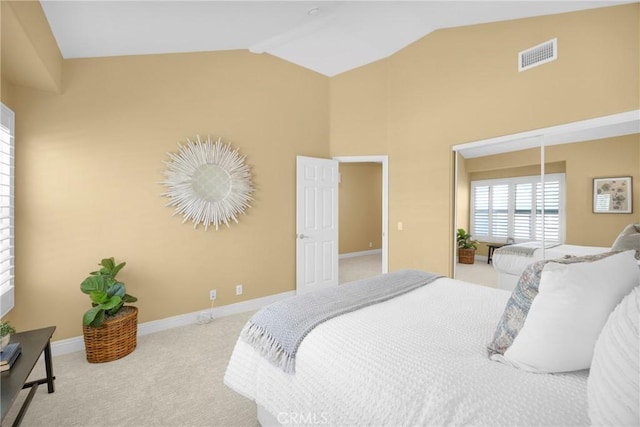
(7, 211)
(517, 208)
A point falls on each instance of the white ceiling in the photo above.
(339, 36)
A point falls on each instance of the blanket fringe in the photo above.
(268, 347)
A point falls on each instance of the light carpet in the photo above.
(479, 273)
(173, 378)
(359, 267)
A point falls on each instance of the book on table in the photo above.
(8, 356)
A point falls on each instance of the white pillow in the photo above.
(567, 315)
(628, 239)
(613, 385)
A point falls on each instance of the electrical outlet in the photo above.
(212, 294)
(238, 289)
(370, 244)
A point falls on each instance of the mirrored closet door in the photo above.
(536, 190)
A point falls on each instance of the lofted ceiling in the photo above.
(329, 37)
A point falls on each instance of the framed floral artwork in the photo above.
(612, 195)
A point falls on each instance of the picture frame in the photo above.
(613, 195)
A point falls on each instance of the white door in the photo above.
(316, 223)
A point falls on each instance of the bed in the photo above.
(510, 261)
(417, 359)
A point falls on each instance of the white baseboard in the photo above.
(478, 258)
(361, 253)
(71, 345)
(482, 258)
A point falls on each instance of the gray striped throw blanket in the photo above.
(277, 330)
(524, 249)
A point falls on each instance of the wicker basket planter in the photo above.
(466, 256)
(117, 337)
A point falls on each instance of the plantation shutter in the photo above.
(500, 211)
(552, 201)
(512, 207)
(7, 212)
(523, 215)
(481, 211)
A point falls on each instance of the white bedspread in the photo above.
(419, 359)
(515, 264)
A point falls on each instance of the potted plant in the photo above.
(109, 327)
(466, 247)
(5, 333)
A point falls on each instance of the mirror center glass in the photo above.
(211, 182)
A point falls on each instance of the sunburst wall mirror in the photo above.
(208, 182)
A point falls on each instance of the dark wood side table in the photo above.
(33, 343)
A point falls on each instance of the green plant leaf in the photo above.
(111, 302)
(6, 328)
(117, 269)
(116, 289)
(129, 298)
(115, 309)
(98, 320)
(98, 297)
(94, 283)
(90, 315)
(108, 263)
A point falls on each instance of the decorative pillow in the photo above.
(523, 294)
(628, 239)
(613, 385)
(516, 309)
(566, 317)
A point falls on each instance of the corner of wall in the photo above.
(5, 92)
(30, 54)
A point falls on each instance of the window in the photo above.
(7, 173)
(512, 207)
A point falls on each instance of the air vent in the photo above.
(538, 55)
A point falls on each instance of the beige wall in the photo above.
(358, 111)
(597, 159)
(30, 55)
(510, 172)
(89, 163)
(463, 193)
(360, 207)
(89, 157)
(462, 84)
(5, 92)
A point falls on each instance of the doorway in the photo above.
(380, 162)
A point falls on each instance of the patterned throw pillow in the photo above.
(523, 295)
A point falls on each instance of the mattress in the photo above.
(515, 264)
(418, 359)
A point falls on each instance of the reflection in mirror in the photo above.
(496, 202)
(586, 161)
(498, 198)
